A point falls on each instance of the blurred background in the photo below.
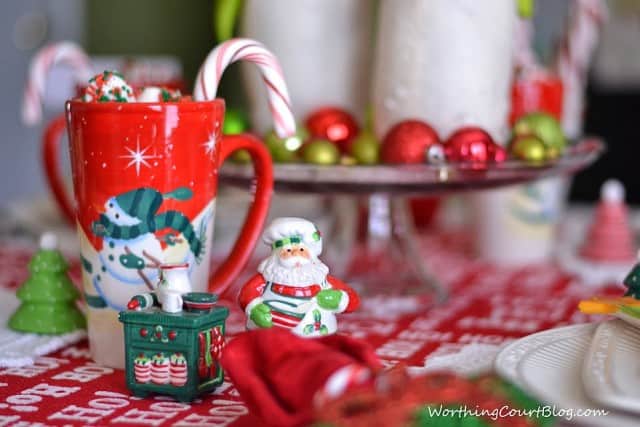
(185, 30)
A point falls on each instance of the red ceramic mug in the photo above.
(50, 150)
(145, 183)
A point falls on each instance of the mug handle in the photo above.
(51, 161)
(258, 210)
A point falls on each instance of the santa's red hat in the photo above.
(280, 375)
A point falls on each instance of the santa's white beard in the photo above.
(312, 272)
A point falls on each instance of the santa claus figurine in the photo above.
(293, 288)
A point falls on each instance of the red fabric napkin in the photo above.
(278, 373)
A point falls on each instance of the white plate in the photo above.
(633, 321)
(611, 371)
(548, 366)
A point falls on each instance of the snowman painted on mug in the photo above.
(133, 235)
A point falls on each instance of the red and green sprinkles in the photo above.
(108, 86)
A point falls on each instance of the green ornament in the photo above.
(529, 148)
(284, 150)
(543, 126)
(241, 157)
(48, 296)
(369, 118)
(321, 152)
(366, 149)
(235, 122)
(526, 8)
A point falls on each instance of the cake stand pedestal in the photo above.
(388, 259)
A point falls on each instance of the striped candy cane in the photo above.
(42, 62)
(574, 57)
(340, 381)
(234, 50)
(526, 60)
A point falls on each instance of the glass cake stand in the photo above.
(385, 261)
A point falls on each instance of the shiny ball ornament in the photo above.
(473, 145)
(335, 125)
(408, 142)
(235, 122)
(530, 149)
(285, 150)
(348, 160)
(499, 154)
(241, 157)
(321, 152)
(544, 127)
(365, 149)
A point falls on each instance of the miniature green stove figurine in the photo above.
(173, 353)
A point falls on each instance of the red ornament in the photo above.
(144, 332)
(335, 125)
(409, 142)
(473, 145)
(500, 154)
(172, 335)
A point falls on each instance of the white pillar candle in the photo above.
(446, 62)
(324, 48)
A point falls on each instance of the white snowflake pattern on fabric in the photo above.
(389, 307)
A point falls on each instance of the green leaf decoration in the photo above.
(225, 17)
(307, 329)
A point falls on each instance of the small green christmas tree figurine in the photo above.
(48, 296)
(632, 282)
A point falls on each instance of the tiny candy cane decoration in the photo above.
(573, 58)
(234, 50)
(42, 62)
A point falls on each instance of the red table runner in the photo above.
(488, 305)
